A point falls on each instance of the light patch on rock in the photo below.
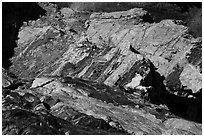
(84, 70)
(174, 124)
(67, 12)
(135, 81)
(29, 34)
(39, 81)
(125, 66)
(5, 82)
(191, 78)
(143, 88)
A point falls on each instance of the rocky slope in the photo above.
(118, 70)
(58, 105)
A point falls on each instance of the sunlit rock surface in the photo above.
(112, 45)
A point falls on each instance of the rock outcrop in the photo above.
(113, 43)
(107, 68)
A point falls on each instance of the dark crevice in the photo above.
(188, 108)
(99, 91)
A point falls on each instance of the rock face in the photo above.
(113, 44)
(166, 44)
(100, 66)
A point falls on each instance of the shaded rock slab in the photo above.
(56, 105)
(27, 112)
(132, 119)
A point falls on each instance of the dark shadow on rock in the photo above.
(99, 91)
(13, 16)
(155, 80)
(187, 108)
(148, 18)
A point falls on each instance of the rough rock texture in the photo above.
(179, 126)
(113, 43)
(106, 67)
(52, 105)
(166, 44)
